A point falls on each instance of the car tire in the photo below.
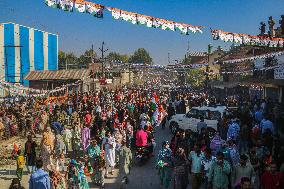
(174, 127)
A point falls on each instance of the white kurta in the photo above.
(110, 145)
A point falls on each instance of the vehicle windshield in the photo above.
(206, 114)
(214, 115)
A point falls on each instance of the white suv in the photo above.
(189, 121)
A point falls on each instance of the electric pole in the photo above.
(169, 60)
(103, 59)
(188, 49)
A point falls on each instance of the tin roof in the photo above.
(199, 54)
(74, 74)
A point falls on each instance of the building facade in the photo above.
(24, 49)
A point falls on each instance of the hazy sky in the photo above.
(77, 31)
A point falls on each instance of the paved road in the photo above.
(140, 178)
(146, 177)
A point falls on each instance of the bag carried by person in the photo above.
(21, 161)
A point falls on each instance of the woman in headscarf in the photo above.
(180, 169)
(165, 164)
(47, 147)
(86, 135)
(216, 143)
(72, 175)
(83, 183)
(76, 139)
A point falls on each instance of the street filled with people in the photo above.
(78, 140)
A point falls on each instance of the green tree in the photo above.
(141, 56)
(186, 60)
(114, 56)
(196, 77)
(71, 61)
(61, 60)
(67, 61)
(85, 59)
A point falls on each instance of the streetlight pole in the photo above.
(207, 66)
(103, 51)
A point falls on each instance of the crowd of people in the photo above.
(81, 135)
(89, 135)
(247, 150)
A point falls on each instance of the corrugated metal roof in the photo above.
(75, 74)
(197, 54)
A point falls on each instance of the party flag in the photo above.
(129, 17)
(51, 3)
(168, 25)
(94, 9)
(66, 5)
(182, 28)
(116, 13)
(157, 23)
(80, 6)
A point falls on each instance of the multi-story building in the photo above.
(24, 49)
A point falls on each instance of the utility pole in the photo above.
(66, 64)
(188, 49)
(169, 60)
(103, 58)
(209, 51)
(129, 76)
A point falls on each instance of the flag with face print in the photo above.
(51, 3)
(80, 6)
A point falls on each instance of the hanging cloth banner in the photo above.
(247, 39)
(135, 18)
(249, 71)
(149, 21)
(78, 6)
(274, 54)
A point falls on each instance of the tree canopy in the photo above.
(141, 56)
(114, 56)
(71, 61)
(196, 77)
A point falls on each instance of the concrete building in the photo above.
(24, 49)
